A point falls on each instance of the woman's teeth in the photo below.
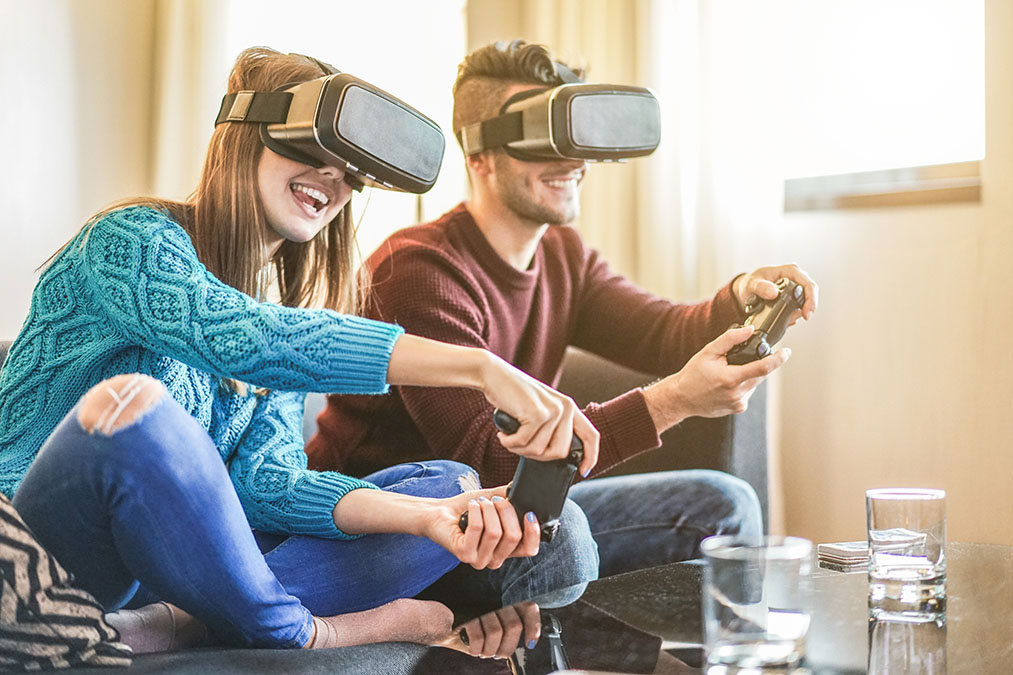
(317, 199)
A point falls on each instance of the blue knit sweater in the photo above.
(128, 295)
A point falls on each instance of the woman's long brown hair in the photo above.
(225, 219)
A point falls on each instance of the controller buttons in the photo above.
(797, 294)
(762, 349)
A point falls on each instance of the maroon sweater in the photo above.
(443, 280)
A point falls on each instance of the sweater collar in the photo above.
(489, 259)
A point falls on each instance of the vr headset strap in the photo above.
(492, 133)
(255, 106)
(505, 128)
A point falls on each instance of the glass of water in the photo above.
(907, 553)
(906, 647)
(755, 601)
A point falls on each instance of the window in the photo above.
(882, 84)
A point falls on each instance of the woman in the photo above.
(181, 411)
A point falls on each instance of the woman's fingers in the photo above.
(591, 439)
(532, 620)
(511, 529)
(491, 534)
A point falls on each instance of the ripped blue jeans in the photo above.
(133, 510)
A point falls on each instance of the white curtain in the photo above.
(189, 70)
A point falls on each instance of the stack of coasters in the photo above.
(848, 556)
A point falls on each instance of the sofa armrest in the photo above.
(736, 444)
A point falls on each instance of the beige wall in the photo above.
(60, 66)
(905, 378)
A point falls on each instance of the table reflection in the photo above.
(897, 647)
(650, 622)
(530, 639)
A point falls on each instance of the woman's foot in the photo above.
(404, 620)
(159, 627)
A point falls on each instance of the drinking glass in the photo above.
(755, 601)
(907, 553)
(906, 647)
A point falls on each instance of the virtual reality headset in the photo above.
(594, 122)
(342, 121)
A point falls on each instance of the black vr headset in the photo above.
(594, 122)
(343, 121)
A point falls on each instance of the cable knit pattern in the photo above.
(128, 294)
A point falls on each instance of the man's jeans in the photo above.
(642, 520)
(152, 505)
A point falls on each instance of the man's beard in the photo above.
(516, 192)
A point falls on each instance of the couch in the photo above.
(736, 444)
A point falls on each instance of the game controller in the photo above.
(771, 318)
(538, 486)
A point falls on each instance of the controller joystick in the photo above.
(770, 318)
(538, 486)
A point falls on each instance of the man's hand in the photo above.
(763, 283)
(708, 386)
(494, 533)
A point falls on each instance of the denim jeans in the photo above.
(643, 520)
(320, 571)
(152, 504)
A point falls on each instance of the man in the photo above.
(503, 271)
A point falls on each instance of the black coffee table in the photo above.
(649, 621)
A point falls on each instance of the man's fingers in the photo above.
(723, 343)
(798, 275)
(811, 298)
(765, 366)
(763, 287)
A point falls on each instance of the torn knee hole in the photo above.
(468, 481)
(118, 402)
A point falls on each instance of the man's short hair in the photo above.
(485, 74)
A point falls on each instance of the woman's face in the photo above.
(298, 199)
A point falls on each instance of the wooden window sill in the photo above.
(913, 186)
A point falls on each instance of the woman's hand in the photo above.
(498, 634)
(494, 533)
(548, 419)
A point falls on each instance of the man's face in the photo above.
(541, 192)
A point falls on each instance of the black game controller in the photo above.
(770, 317)
(539, 487)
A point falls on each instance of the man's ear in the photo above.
(480, 163)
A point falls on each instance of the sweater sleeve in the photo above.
(142, 269)
(431, 295)
(657, 336)
(278, 493)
